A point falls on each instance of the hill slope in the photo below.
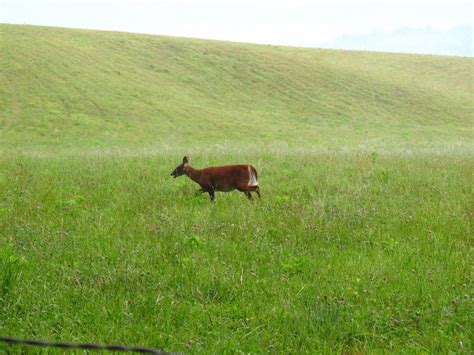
(77, 88)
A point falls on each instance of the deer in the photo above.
(221, 178)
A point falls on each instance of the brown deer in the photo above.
(221, 178)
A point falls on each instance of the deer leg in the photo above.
(211, 192)
(249, 195)
(200, 191)
(255, 189)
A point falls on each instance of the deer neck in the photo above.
(193, 174)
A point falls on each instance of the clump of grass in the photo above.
(10, 269)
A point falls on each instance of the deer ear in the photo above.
(185, 160)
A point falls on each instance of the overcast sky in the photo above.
(418, 26)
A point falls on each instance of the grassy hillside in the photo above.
(74, 88)
(362, 241)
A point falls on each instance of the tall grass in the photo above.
(343, 252)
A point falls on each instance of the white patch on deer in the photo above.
(252, 178)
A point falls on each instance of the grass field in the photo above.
(362, 241)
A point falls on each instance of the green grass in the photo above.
(73, 89)
(361, 241)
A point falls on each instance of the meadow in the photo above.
(361, 242)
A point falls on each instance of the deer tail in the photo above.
(253, 176)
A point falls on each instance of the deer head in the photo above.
(180, 168)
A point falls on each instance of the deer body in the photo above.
(221, 178)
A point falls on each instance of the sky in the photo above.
(412, 26)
